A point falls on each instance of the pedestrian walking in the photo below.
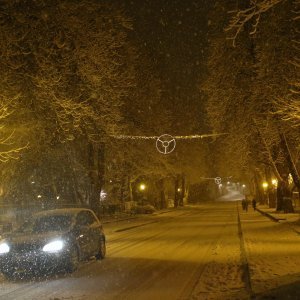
(254, 204)
(245, 205)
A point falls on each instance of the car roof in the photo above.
(60, 211)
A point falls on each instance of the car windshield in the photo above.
(45, 224)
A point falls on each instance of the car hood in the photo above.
(21, 239)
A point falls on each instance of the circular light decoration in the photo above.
(165, 144)
(218, 180)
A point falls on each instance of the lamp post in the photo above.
(243, 189)
(265, 187)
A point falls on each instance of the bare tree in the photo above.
(251, 14)
(8, 148)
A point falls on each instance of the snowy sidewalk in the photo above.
(290, 219)
(273, 253)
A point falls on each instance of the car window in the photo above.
(85, 218)
(47, 224)
(90, 217)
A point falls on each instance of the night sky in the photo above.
(174, 35)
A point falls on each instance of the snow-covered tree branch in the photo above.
(8, 150)
(251, 15)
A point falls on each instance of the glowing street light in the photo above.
(265, 185)
(290, 179)
(142, 187)
(243, 185)
(103, 195)
(275, 182)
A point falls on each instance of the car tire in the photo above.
(9, 275)
(102, 249)
(73, 260)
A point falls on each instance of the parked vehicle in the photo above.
(143, 209)
(52, 239)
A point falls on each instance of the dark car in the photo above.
(52, 239)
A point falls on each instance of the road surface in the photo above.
(191, 253)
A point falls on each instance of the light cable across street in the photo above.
(166, 143)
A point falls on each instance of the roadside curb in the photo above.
(119, 220)
(246, 276)
(162, 212)
(134, 217)
(275, 219)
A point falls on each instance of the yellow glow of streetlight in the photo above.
(290, 179)
(275, 182)
(142, 186)
(265, 185)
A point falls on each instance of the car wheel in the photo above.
(9, 275)
(102, 249)
(73, 260)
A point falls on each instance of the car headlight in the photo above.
(54, 246)
(4, 248)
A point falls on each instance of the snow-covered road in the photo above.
(191, 253)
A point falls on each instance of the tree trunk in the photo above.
(289, 159)
(97, 168)
(130, 188)
(176, 194)
(270, 156)
(259, 195)
(163, 203)
(280, 194)
(271, 193)
(182, 193)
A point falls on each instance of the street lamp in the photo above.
(265, 185)
(275, 182)
(142, 187)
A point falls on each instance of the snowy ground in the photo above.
(191, 253)
(274, 257)
(292, 219)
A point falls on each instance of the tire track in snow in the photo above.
(190, 288)
(244, 260)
